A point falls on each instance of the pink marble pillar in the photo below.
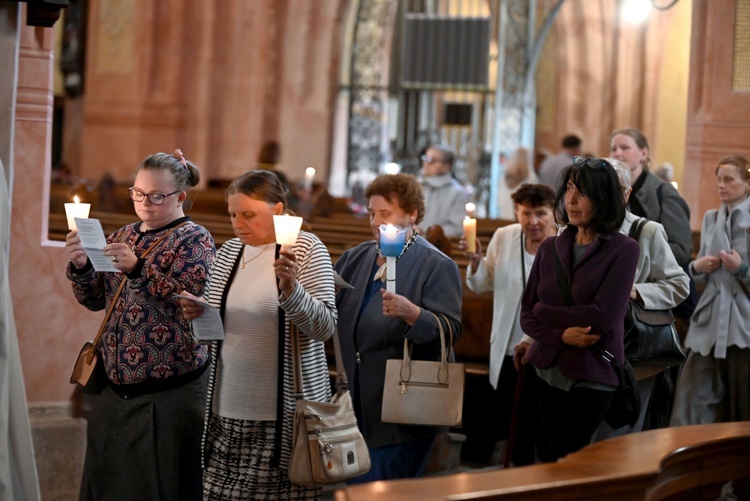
(51, 325)
(718, 106)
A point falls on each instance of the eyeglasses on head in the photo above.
(593, 163)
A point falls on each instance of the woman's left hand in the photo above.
(731, 260)
(396, 306)
(122, 257)
(579, 337)
(286, 271)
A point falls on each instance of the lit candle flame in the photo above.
(76, 199)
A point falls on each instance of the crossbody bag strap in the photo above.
(122, 285)
(562, 280)
(636, 228)
(109, 311)
(342, 381)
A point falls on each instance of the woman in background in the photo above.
(574, 305)
(714, 380)
(144, 429)
(660, 284)
(505, 270)
(262, 289)
(518, 171)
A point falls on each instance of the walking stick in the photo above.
(514, 418)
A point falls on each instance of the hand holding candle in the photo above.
(74, 210)
(286, 228)
(470, 234)
(309, 175)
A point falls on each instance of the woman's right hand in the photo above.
(521, 355)
(707, 264)
(190, 309)
(579, 337)
(73, 247)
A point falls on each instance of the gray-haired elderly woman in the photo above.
(660, 284)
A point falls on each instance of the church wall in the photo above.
(213, 78)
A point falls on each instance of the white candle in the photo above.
(286, 228)
(309, 175)
(390, 274)
(470, 234)
(74, 210)
(470, 208)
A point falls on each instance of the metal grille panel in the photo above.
(741, 66)
(445, 52)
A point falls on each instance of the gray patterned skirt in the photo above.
(238, 464)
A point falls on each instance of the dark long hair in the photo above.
(602, 187)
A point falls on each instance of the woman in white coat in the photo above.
(504, 270)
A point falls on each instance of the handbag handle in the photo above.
(119, 290)
(444, 343)
(342, 382)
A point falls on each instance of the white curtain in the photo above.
(18, 477)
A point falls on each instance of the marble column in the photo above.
(719, 98)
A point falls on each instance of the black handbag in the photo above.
(626, 401)
(650, 335)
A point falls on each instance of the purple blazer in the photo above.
(600, 284)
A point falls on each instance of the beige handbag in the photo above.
(424, 392)
(327, 446)
(86, 361)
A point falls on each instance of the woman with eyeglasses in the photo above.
(574, 306)
(144, 428)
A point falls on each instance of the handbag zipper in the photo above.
(334, 431)
(404, 384)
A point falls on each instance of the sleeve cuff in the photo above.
(136, 273)
(743, 269)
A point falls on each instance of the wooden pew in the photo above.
(648, 465)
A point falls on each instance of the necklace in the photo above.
(243, 262)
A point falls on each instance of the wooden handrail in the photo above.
(622, 468)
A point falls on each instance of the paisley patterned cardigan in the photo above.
(147, 338)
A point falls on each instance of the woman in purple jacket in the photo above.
(575, 382)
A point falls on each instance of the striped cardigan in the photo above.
(311, 307)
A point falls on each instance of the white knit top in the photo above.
(248, 365)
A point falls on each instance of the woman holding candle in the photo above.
(574, 305)
(505, 270)
(713, 383)
(261, 289)
(373, 321)
(144, 428)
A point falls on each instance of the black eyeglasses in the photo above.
(137, 195)
(593, 163)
